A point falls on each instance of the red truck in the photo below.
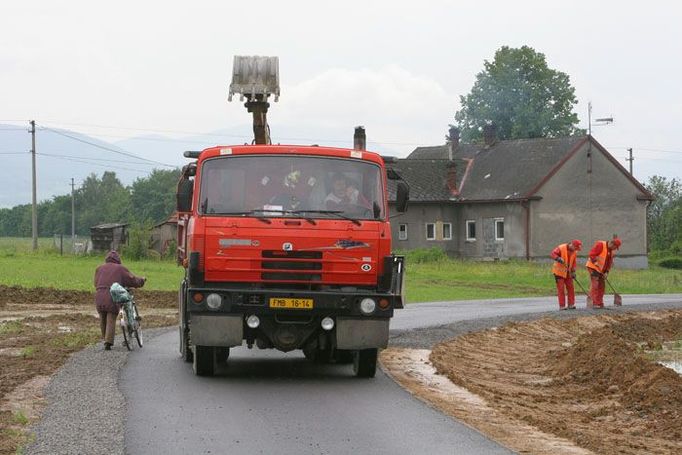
(287, 247)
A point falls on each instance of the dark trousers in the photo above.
(107, 322)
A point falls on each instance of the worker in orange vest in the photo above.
(564, 257)
(598, 264)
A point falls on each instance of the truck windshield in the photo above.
(291, 186)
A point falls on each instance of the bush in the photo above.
(671, 263)
(138, 243)
(426, 255)
(676, 248)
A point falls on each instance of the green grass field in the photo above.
(435, 279)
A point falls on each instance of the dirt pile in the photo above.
(585, 380)
(24, 296)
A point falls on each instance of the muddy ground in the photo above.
(572, 386)
(39, 330)
(585, 385)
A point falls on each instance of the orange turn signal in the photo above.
(198, 297)
(383, 303)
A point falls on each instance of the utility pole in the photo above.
(34, 212)
(73, 214)
(631, 159)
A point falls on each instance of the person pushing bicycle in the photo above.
(112, 271)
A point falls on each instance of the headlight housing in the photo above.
(367, 305)
(214, 301)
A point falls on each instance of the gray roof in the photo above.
(506, 170)
(427, 179)
(105, 226)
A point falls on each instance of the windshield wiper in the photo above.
(288, 212)
(251, 212)
(338, 213)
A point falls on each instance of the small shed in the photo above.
(108, 236)
(164, 233)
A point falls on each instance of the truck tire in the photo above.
(204, 360)
(365, 363)
(185, 349)
(221, 355)
(343, 356)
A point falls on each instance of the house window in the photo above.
(447, 231)
(499, 229)
(471, 230)
(402, 232)
(430, 231)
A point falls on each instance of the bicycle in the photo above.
(129, 316)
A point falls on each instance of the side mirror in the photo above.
(184, 195)
(402, 196)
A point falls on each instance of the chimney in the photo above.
(451, 178)
(489, 134)
(359, 138)
(453, 141)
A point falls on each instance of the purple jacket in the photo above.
(109, 273)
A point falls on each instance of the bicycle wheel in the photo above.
(137, 329)
(138, 335)
(126, 341)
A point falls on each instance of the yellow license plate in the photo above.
(295, 304)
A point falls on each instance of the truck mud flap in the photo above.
(216, 330)
(352, 333)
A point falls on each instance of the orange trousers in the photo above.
(565, 286)
(597, 288)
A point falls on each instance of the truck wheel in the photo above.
(343, 356)
(221, 355)
(365, 363)
(204, 360)
(185, 349)
(316, 355)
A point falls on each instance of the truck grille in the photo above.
(292, 265)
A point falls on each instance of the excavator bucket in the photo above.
(253, 76)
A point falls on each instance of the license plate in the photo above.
(295, 304)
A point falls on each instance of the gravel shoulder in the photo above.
(86, 410)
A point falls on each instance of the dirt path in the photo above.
(39, 330)
(557, 386)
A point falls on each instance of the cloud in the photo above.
(398, 108)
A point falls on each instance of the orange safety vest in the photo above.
(568, 257)
(600, 261)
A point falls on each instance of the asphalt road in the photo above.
(274, 403)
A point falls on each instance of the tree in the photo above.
(664, 217)
(153, 197)
(522, 96)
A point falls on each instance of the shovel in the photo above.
(588, 300)
(617, 299)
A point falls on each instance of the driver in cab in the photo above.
(343, 195)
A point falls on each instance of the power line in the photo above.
(240, 136)
(648, 149)
(85, 161)
(95, 159)
(106, 148)
(13, 153)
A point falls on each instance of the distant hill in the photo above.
(63, 154)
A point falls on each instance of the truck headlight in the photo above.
(367, 305)
(253, 321)
(327, 323)
(214, 301)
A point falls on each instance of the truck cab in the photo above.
(287, 247)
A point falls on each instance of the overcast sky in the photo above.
(398, 68)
